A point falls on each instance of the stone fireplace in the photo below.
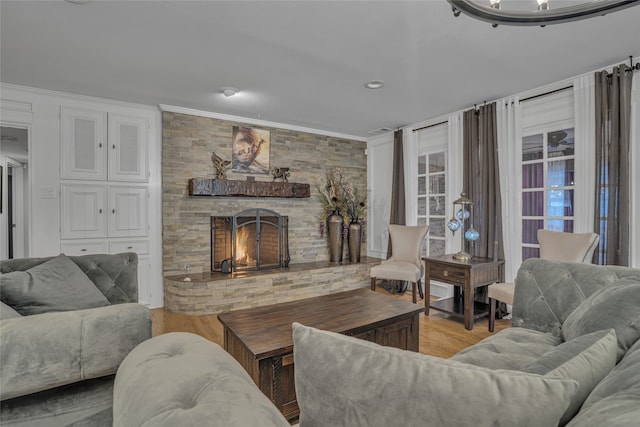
(254, 239)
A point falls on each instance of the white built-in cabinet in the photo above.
(104, 187)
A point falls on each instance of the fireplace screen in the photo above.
(254, 239)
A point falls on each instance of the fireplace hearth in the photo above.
(254, 239)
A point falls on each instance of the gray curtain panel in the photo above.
(481, 179)
(613, 134)
(398, 214)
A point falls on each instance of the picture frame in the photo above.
(250, 150)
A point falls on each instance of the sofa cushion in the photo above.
(345, 381)
(614, 306)
(181, 379)
(586, 359)
(53, 349)
(56, 285)
(511, 348)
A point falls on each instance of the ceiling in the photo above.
(301, 63)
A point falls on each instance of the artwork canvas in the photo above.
(250, 150)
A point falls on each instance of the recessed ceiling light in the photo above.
(77, 1)
(229, 91)
(374, 84)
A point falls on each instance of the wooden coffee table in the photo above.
(261, 338)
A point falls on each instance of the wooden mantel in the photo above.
(234, 188)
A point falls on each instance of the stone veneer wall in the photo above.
(187, 144)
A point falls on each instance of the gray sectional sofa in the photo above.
(66, 325)
(571, 358)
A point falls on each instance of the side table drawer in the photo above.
(447, 274)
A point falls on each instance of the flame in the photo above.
(242, 236)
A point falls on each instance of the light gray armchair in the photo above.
(405, 263)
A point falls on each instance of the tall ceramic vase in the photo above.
(355, 241)
(334, 234)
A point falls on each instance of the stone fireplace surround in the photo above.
(188, 141)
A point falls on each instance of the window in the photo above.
(547, 185)
(432, 200)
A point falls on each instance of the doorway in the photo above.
(14, 159)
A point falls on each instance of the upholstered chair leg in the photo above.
(492, 313)
(413, 292)
(420, 289)
(373, 283)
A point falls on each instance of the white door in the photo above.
(128, 210)
(83, 136)
(84, 211)
(127, 148)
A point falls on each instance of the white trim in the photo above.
(257, 122)
(74, 96)
(585, 167)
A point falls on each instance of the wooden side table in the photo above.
(465, 276)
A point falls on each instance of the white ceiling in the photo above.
(301, 63)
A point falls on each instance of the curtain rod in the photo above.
(430, 126)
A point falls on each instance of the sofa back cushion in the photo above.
(547, 292)
(115, 275)
(614, 306)
(55, 285)
(346, 381)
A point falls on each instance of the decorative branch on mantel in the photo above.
(232, 188)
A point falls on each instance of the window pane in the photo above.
(560, 203)
(436, 184)
(532, 175)
(436, 205)
(560, 143)
(565, 225)
(560, 173)
(436, 162)
(532, 147)
(530, 229)
(436, 247)
(436, 227)
(422, 206)
(533, 203)
(530, 253)
(422, 165)
(422, 221)
(422, 185)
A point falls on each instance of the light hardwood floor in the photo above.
(440, 335)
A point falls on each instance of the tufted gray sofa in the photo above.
(556, 302)
(57, 368)
(572, 358)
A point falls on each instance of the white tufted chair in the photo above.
(555, 246)
(405, 263)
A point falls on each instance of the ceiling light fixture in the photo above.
(493, 12)
(229, 91)
(374, 84)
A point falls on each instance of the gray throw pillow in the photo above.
(586, 359)
(55, 285)
(613, 306)
(345, 381)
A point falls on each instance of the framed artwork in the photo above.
(250, 150)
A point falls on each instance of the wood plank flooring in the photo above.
(440, 335)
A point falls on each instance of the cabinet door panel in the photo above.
(127, 211)
(83, 211)
(83, 136)
(127, 148)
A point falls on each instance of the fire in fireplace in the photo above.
(254, 239)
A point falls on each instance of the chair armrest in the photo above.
(48, 350)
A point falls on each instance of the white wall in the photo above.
(39, 110)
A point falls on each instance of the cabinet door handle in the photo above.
(83, 250)
(113, 211)
(99, 211)
(100, 145)
(129, 247)
(114, 146)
